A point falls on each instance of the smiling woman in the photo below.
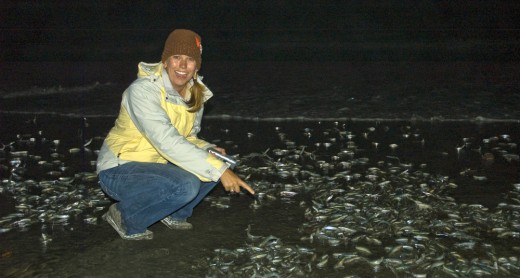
(151, 161)
(182, 68)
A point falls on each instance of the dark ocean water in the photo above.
(274, 90)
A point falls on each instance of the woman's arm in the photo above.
(142, 102)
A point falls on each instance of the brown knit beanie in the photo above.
(183, 42)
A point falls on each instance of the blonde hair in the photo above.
(196, 96)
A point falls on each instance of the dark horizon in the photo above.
(252, 30)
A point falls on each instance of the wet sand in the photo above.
(78, 249)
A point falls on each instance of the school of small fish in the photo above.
(363, 216)
(45, 188)
(377, 218)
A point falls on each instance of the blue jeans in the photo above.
(149, 192)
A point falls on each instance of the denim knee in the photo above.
(101, 177)
(189, 188)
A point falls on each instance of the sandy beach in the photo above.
(76, 242)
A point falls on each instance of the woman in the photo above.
(151, 161)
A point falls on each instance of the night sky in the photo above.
(262, 30)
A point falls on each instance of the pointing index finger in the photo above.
(247, 187)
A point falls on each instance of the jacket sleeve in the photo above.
(143, 105)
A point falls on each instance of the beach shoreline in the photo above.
(391, 90)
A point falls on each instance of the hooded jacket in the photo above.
(154, 125)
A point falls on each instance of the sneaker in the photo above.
(113, 217)
(176, 224)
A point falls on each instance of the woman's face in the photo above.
(181, 69)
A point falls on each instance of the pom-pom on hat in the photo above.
(183, 42)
